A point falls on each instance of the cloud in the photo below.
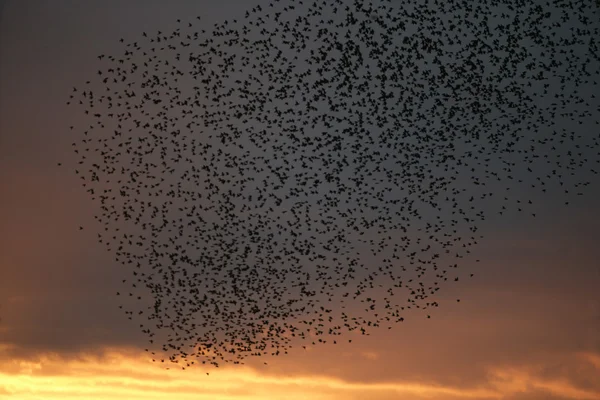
(370, 355)
(128, 374)
(573, 376)
(593, 359)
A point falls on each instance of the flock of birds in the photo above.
(319, 167)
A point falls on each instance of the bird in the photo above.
(261, 179)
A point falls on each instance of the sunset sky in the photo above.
(527, 326)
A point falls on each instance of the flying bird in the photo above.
(262, 179)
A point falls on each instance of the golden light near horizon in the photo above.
(127, 374)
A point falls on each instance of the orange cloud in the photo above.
(593, 359)
(127, 374)
(511, 380)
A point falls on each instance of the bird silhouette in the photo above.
(318, 167)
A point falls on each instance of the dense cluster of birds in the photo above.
(322, 166)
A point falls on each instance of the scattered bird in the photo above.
(267, 181)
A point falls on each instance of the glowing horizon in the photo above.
(128, 374)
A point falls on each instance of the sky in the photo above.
(527, 326)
